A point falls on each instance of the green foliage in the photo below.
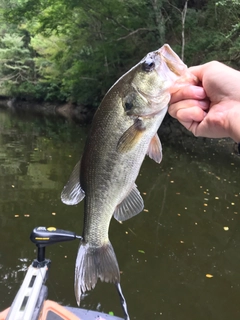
(16, 63)
(75, 50)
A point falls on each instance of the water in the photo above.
(189, 229)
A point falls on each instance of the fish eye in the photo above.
(128, 106)
(148, 65)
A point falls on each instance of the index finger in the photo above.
(188, 92)
(209, 67)
(198, 71)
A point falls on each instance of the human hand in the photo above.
(211, 109)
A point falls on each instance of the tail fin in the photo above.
(92, 263)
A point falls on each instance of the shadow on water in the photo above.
(189, 228)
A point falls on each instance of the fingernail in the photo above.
(204, 104)
(199, 92)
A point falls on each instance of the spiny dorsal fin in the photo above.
(131, 136)
(72, 192)
(130, 206)
(155, 149)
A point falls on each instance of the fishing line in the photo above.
(123, 301)
(160, 214)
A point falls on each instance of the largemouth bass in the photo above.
(124, 130)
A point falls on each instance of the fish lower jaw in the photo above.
(151, 115)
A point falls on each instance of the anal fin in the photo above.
(130, 206)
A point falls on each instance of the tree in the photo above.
(16, 63)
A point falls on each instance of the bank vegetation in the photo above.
(73, 51)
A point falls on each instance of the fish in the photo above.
(123, 131)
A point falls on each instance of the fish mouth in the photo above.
(170, 61)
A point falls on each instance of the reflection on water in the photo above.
(189, 229)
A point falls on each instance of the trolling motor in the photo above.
(29, 300)
(43, 237)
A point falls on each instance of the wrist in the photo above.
(234, 122)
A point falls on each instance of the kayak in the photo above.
(53, 311)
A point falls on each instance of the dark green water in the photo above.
(164, 253)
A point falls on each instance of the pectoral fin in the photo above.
(72, 192)
(130, 137)
(155, 149)
(130, 206)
